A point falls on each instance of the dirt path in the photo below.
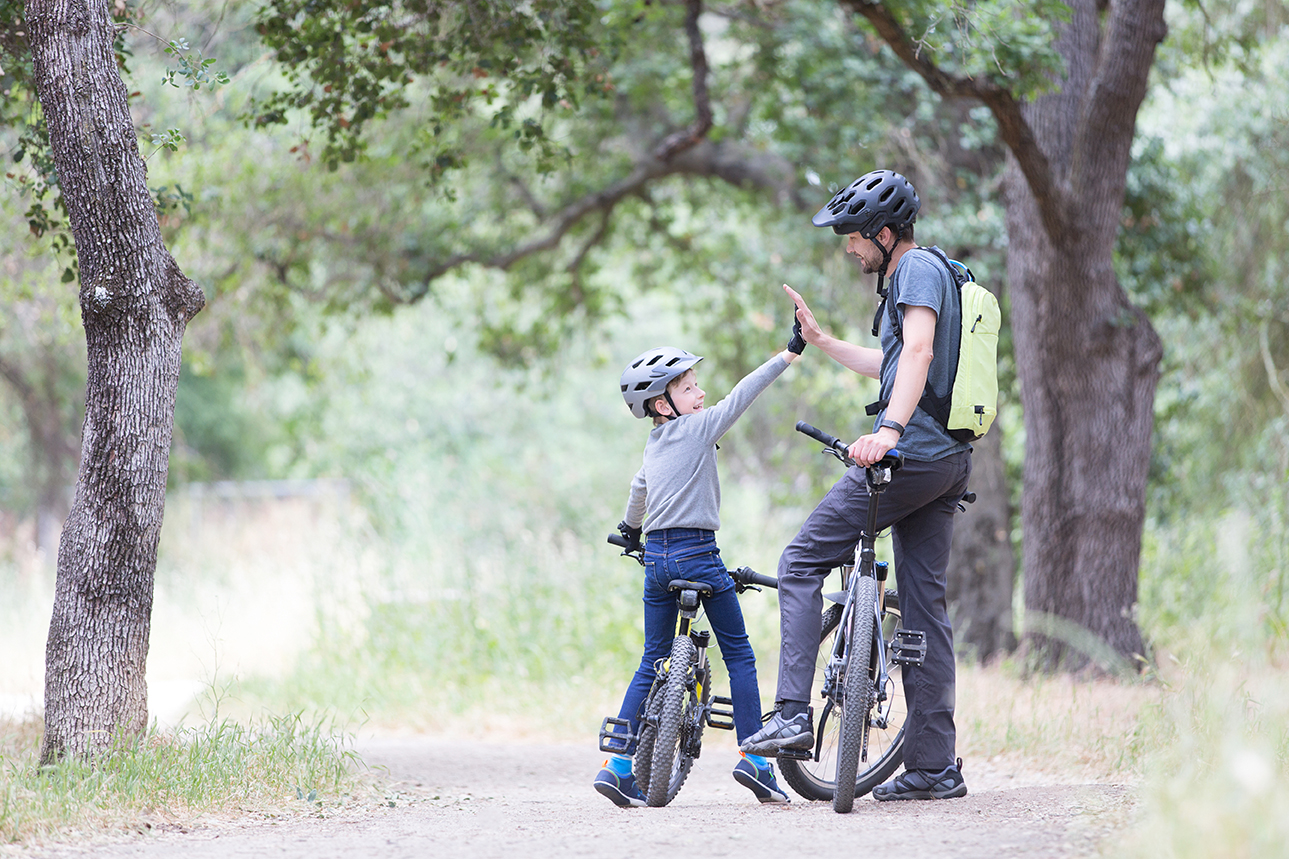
(492, 800)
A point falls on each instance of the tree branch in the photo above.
(1012, 127)
(729, 163)
(702, 123)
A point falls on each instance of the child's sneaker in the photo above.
(620, 789)
(759, 778)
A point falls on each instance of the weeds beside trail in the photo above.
(277, 765)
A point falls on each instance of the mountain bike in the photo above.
(680, 702)
(859, 738)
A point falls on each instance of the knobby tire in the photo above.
(642, 762)
(858, 695)
(670, 765)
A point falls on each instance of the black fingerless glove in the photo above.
(798, 343)
(632, 535)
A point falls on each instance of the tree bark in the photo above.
(135, 304)
(1087, 359)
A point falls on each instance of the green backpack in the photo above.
(971, 405)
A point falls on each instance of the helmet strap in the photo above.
(881, 278)
(675, 412)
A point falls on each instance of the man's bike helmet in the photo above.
(648, 376)
(879, 199)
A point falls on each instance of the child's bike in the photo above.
(859, 737)
(680, 703)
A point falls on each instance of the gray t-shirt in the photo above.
(677, 486)
(922, 280)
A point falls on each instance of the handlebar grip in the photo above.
(819, 436)
(748, 576)
(619, 540)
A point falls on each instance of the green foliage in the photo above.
(191, 68)
(1010, 42)
(351, 63)
(1160, 255)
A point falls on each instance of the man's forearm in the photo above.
(862, 359)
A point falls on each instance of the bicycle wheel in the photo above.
(671, 763)
(816, 779)
(642, 762)
(857, 695)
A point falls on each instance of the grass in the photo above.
(1068, 728)
(274, 766)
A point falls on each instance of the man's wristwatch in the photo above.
(887, 422)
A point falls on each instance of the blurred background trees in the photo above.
(428, 287)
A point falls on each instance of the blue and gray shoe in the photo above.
(620, 789)
(757, 775)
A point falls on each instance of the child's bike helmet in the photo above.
(648, 376)
(879, 199)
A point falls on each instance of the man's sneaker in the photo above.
(923, 784)
(620, 789)
(781, 733)
(760, 781)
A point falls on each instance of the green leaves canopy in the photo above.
(351, 62)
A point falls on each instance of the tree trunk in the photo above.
(1087, 359)
(135, 304)
(982, 566)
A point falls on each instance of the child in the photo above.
(674, 500)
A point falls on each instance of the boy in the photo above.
(675, 501)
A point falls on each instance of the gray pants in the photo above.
(918, 506)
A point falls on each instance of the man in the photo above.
(919, 334)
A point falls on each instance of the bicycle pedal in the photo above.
(615, 742)
(721, 718)
(796, 754)
(909, 647)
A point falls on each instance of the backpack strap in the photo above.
(933, 405)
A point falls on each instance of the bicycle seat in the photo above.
(703, 588)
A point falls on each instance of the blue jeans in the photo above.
(692, 554)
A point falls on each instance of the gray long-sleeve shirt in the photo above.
(677, 486)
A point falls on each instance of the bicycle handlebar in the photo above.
(892, 460)
(821, 437)
(746, 577)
